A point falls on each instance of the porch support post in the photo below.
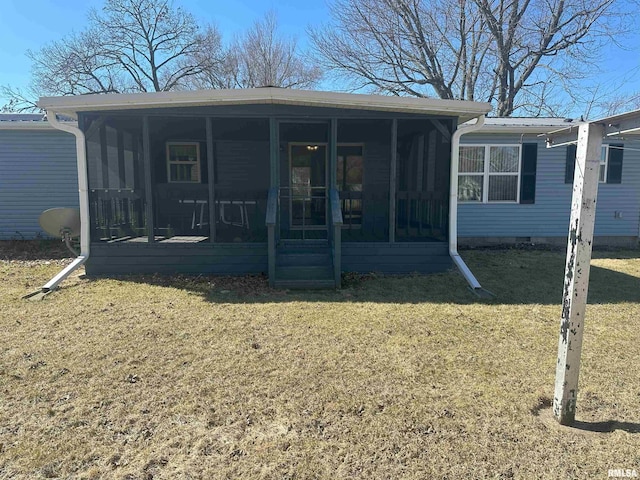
(148, 182)
(274, 148)
(576, 279)
(393, 168)
(211, 182)
(273, 225)
(333, 152)
(333, 180)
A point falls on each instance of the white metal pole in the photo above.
(578, 263)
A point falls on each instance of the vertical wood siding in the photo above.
(37, 171)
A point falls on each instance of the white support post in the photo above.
(576, 278)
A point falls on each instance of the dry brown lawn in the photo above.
(149, 377)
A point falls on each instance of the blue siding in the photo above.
(37, 172)
(549, 216)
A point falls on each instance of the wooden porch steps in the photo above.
(304, 265)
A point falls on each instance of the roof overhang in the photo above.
(28, 121)
(29, 125)
(70, 105)
(25, 126)
(521, 126)
(614, 126)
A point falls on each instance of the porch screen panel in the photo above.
(304, 159)
(362, 179)
(422, 184)
(180, 179)
(116, 196)
(242, 179)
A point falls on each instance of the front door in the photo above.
(308, 189)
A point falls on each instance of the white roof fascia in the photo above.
(614, 126)
(29, 125)
(69, 105)
(528, 129)
(522, 125)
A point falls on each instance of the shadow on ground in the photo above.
(607, 427)
(43, 249)
(515, 276)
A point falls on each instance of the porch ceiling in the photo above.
(70, 105)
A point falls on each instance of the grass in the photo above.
(152, 377)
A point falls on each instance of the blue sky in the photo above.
(30, 24)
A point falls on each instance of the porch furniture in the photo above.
(200, 204)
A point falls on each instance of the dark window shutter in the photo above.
(528, 173)
(614, 166)
(570, 165)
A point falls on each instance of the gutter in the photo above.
(69, 105)
(83, 191)
(474, 285)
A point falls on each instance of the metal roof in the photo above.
(70, 105)
(533, 125)
(627, 123)
(22, 117)
(28, 121)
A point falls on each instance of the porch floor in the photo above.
(175, 239)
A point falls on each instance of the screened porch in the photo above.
(201, 179)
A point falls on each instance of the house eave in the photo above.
(70, 105)
(28, 125)
(526, 130)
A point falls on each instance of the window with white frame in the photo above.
(183, 162)
(611, 159)
(489, 173)
(604, 159)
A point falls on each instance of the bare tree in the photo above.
(18, 100)
(148, 45)
(262, 57)
(513, 53)
(128, 46)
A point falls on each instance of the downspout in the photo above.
(81, 154)
(474, 285)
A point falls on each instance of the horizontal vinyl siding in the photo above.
(37, 171)
(549, 215)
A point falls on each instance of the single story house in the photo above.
(38, 165)
(512, 189)
(300, 184)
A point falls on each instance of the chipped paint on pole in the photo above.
(576, 279)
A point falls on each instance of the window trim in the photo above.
(605, 147)
(169, 162)
(486, 173)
